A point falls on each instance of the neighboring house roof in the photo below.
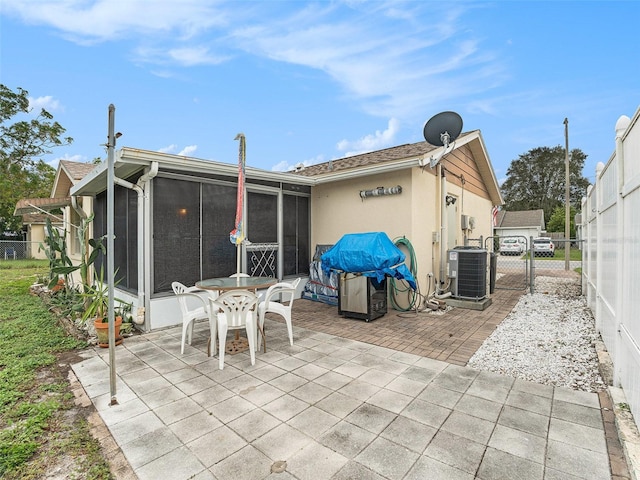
(35, 205)
(521, 219)
(69, 173)
(37, 219)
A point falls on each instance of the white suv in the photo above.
(543, 247)
(512, 246)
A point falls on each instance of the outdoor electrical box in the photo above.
(467, 271)
(467, 222)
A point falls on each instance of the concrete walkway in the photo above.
(332, 407)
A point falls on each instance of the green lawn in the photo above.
(574, 255)
(36, 424)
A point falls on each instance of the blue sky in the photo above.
(314, 81)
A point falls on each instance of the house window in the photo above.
(75, 223)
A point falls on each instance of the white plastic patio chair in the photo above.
(234, 310)
(285, 292)
(194, 307)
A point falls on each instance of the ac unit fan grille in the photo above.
(472, 274)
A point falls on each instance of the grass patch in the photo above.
(575, 255)
(36, 429)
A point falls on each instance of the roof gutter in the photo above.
(133, 155)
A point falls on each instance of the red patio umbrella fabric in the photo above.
(236, 236)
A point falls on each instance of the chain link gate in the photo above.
(510, 264)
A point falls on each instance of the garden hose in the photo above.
(397, 289)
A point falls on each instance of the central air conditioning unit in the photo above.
(467, 270)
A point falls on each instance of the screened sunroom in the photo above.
(172, 219)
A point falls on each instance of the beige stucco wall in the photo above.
(337, 209)
(36, 237)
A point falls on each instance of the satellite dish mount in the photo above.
(441, 130)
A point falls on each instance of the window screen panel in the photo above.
(121, 231)
(304, 235)
(176, 226)
(100, 226)
(296, 235)
(218, 218)
(262, 217)
(132, 239)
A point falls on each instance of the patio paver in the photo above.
(341, 404)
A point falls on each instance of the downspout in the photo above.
(139, 187)
(74, 203)
(443, 226)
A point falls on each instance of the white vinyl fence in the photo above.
(611, 257)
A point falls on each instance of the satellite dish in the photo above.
(443, 128)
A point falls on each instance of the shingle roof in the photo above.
(366, 159)
(77, 170)
(33, 218)
(35, 205)
(523, 218)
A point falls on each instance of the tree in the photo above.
(556, 222)
(23, 173)
(536, 180)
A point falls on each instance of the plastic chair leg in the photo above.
(287, 319)
(213, 338)
(187, 335)
(222, 337)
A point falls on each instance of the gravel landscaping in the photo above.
(548, 338)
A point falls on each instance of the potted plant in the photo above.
(96, 307)
(124, 311)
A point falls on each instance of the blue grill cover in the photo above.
(372, 254)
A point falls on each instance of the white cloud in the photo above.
(188, 150)
(394, 63)
(168, 149)
(180, 56)
(285, 166)
(173, 148)
(371, 142)
(101, 20)
(48, 103)
(393, 59)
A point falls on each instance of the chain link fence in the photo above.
(515, 261)
(19, 250)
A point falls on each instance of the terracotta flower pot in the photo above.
(102, 330)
